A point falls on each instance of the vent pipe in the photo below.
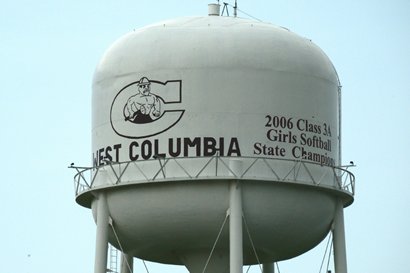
(214, 9)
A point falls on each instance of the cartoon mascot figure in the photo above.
(144, 106)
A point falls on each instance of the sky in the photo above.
(49, 50)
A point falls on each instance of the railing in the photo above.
(216, 167)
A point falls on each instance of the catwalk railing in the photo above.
(216, 167)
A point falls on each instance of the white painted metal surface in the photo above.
(339, 241)
(214, 9)
(225, 86)
(170, 98)
(235, 221)
(102, 220)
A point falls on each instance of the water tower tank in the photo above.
(185, 112)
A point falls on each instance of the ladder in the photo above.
(113, 262)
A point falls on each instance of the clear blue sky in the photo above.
(48, 52)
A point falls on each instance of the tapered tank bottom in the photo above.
(177, 222)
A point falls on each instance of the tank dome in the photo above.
(215, 42)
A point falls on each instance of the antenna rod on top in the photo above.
(235, 8)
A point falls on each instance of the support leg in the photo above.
(235, 222)
(127, 263)
(268, 268)
(339, 243)
(235, 229)
(101, 245)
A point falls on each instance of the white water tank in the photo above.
(182, 107)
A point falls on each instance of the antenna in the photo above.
(225, 8)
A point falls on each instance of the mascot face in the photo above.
(144, 89)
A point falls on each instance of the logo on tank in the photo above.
(146, 108)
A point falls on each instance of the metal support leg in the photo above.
(268, 268)
(235, 222)
(101, 245)
(339, 243)
(235, 229)
(127, 263)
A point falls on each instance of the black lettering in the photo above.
(209, 146)
(296, 152)
(221, 146)
(257, 148)
(299, 124)
(133, 156)
(117, 148)
(196, 143)
(302, 139)
(174, 151)
(272, 134)
(234, 147)
(100, 156)
(269, 122)
(146, 149)
(318, 129)
(156, 149)
(107, 153)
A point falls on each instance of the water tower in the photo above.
(215, 144)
